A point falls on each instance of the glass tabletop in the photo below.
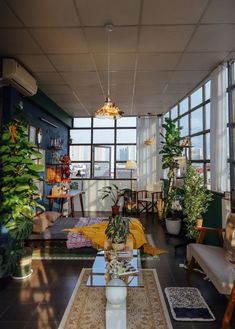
(129, 271)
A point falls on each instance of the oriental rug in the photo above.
(187, 304)
(146, 308)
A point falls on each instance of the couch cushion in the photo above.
(213, 260)
(52, 216)
(229, 237)
(40, 224)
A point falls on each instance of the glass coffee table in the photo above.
(116, 282)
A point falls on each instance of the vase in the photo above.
(173, 226)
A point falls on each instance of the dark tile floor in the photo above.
(39, 302)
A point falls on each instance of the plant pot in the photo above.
(199, 222)
(173, 226)
(23, 268)
(118, 246)
(115, 210)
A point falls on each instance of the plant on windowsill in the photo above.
(196, 200)
(18, 195)
(115, 194)
(117, 231)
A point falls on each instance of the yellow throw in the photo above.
(96, 233)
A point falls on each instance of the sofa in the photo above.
(218, 262)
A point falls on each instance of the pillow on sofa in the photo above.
(52, 216)
(229, 238)
(40, 223)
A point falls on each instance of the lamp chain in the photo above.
(109, 31)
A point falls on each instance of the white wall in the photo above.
(91, 198)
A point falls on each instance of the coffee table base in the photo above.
(116, 306)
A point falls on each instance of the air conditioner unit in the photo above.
(17, 76)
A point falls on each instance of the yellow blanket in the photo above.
(96, 233)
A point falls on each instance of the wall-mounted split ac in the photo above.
(16, 75)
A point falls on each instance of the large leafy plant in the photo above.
(170, 150)
(18, 192)
(196, 199)
(117, 229)
(113, 192)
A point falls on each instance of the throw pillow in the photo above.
(229, 238)
(52, 216)
(40, 224)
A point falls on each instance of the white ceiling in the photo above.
(160, 49)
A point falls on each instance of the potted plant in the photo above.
(115, 194)
(117, 231)
(174, 214)
(18, 195)
(170, 150)
(196, 200)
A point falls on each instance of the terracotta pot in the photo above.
(199, 222)
(115, 210)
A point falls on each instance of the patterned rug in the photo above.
(187, 304)
(146, 308)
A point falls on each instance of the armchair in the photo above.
(217, 262)
(150, 198)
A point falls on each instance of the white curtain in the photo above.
(218, 126)
(148, 159)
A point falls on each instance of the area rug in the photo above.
(187, 304)
(146, 308)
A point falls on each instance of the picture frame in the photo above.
(32, 134)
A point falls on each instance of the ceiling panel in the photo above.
(8, 18)
(200, 61)
(76, 62)
(36, 63)
(55, 89)
(179, 88)
(155, 61)
(172, 12)
(17, 41)
(152, 78)
(188, 76)
(122, 39)
(220, 12)
(213, 38)
(46, 13)
(117, 61)
(164, 38)
(49, 78)
(80, 78)
(121, 12)
(61, 41)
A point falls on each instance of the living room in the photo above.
(166, 65)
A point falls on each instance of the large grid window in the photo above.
(193, 115)
(100, 148)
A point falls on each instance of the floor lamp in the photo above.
(130, 165)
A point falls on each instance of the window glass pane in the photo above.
(196, 121)
(208, 115)
(174, 112)
(101, 170)
(199, 167)
(126, 122)
(126, 152)
(208, 176)
(103, 136)
(233, 103)
(208, 155)
(126, 136)
(81, 169)
(184, 124)
(196, 98)
(121, 172)
(102, 153)
(82, 122)
(184, 106)
(80, 136)
(197, 148)
(233, 73)
(103, 123)
(208, 90)
(80, 153)
(166, 115)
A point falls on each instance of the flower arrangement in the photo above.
(66, 161)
